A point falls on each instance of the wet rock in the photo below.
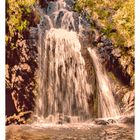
(10, 106)
(126, 98)
(127, 120)
(45, 23)
(124, 61)
(84, 21)
(132, 96)
(110, 121)
(34, 18)
(100, 45)
(76, 21)
(60, 122)
(116, 52)
(70, 4)
(33, 33)
(43, 3)
(117, 60)
(101, 122)
(132, 81)
(53, 6)
(130, 69)
(59, 19)
(106, 42)
(21, 66)
(86, 37)
(129, 105)
(105, 122)
(67, 119)
(21, 118)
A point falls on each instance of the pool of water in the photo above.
(79, 131)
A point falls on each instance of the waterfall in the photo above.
(107, 106)
(64, 87)
(63, 78)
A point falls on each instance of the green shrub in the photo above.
(17, 15)
(115, 14)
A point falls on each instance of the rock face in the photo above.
(120, 66)
(18, 119)
(117, 60)
(21, 64)
(119, 63)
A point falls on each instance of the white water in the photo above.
(64, 89)
(107, 106)
(63, 84)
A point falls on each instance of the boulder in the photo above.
(21, 118)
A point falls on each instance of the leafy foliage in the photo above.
(115, 14)
(124, 21)
(17, 15)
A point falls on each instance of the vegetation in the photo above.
(20, 59)
(17, 19)
(116, 18)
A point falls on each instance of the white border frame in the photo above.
(2, 69)
(137, 69)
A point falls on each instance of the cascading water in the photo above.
(63, 84)
(107, 106)
(63, 80)
(73, 88)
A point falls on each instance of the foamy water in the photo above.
(63, 85)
